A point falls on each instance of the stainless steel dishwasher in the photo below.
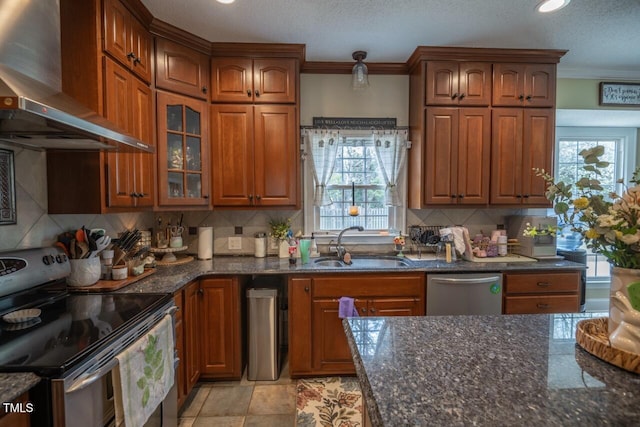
(474, 293)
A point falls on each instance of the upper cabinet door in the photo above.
(116, 30)
(126, 39)
(231, 80)
(141, 47)
(524, 85)
(183, 151)
(474, 83)
(458, 83)
(253, 80)
(274, 80)
(180, 69)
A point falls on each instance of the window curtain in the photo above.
(391, 150)
(322, 145)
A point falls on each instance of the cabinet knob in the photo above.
(258, 197)
(526, 196)
(364, 310)
(461, 96)
(306, 289)
(519, 196)
(454, 96)
(205, 196)
(453, 196)
(200, 291)
(461, 196)
(131, 55)
(250, 197)
(529, 98)
(257, 93)
(204, 89)
(373, 310)
(521, 97)
(133, 195)
(136, 61)
(249, 93)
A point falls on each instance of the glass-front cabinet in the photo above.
(183, 147)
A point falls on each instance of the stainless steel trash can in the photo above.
(264, 346)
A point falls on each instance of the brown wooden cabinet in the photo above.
(458, 83)
(457, 156)
(183, 151)
(489, 79)
(317, 343)
(181, 386)
(522, 139)
(541, 292)
(103, 182)
(181, 69)
(526, 85)
(129, 104)
(260, 80)
(221, 328)
(255, 155)
(126, 39)
(192, 333)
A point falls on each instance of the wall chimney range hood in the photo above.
(33, 110)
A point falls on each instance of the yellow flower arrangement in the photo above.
(610, 223)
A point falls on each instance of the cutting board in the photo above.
(111, 285)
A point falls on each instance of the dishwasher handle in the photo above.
(459, 280)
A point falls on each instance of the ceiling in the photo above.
(601, 36)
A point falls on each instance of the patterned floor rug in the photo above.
(329, 402)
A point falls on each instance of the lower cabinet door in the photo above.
(330, 352)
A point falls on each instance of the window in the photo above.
(620, 151)
(361, 175)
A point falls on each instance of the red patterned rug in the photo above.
(329, 402)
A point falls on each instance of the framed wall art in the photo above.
(8, 213)
(619, 94)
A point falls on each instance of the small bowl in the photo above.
(21, 316)
(119, 272)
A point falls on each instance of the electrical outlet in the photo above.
(193, 231)
(237, 230)
(235, 243)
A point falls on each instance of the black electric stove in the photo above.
(71, 326)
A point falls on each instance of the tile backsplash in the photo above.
(36, 228)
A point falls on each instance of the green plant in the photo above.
(609, 223)
(280, 228)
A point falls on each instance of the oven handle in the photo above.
(88, 379)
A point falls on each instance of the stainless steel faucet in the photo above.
(339, 248)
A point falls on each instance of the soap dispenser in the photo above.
(313, 250)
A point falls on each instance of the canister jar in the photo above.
(260, 249)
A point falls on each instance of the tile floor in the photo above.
(242, 403)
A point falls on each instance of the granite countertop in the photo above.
(168, 279)
(487, 370)
(14, 384)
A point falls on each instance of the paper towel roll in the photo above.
(205, 242)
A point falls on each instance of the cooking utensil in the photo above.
(101, 243)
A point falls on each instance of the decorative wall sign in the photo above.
(7, 189)
(620, 94)
(354, 122)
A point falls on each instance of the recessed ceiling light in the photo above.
(549, 5)
(225, 1)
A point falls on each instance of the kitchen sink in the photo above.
(364, 262)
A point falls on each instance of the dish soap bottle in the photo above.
(313, 250)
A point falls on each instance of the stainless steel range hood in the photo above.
(33, 110)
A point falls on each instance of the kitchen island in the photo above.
(486, 370)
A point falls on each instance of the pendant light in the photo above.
(359, 73)
(551, 5)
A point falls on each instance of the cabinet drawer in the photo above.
(541, 304)
(369, 285)
(541, 283)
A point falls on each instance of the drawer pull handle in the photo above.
(541, 305)
(364, 310)
(373, 310)
(306, 289)
(544, 284)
